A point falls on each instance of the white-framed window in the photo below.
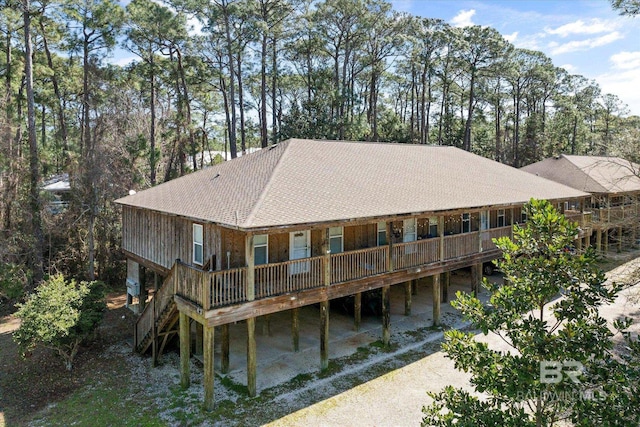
(198, 244)
(336, 240)
(410, 234)
(382, 233)
(261, 249)
(466, 222)
(501, 222)
(433, 226)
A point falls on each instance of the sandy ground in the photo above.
(396, 398)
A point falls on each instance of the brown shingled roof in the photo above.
(310, 181)
(593, 174)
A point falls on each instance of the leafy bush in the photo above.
(13, 280)
(59, 316)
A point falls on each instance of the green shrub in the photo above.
(59, 316)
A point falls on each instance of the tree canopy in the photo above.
(559, 367)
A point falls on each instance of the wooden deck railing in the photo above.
(219, 288)
(152, 311)
(413, 254)
(228, 287)
(494, 233)
(459, 245)
(358, 264)
(288, 276)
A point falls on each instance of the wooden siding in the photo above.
(161, 238)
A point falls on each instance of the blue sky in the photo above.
(585, 37)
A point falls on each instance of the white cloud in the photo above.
(571, 69)
(511, 37)
(578, 45)
(123, 61)
(463, 18)
(626, 60)
(594, 26)
(624, 84)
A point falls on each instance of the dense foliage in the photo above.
(546, 312)
(235, 74)
(59, 316)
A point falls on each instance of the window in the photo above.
(382, 233)
(433, 226)
(501, 218)
(336, 240)
(523, 217)
(261, 249)
(198, 246)
(466, 222)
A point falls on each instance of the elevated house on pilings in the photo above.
(614, 185)
(304, 222)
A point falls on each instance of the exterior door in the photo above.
(299, 247)
(410, 234)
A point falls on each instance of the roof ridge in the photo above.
(267, 186)
(585, 172)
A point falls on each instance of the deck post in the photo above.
(142, 298)
(436, 299)
(605, 249)
(184, 351)
(251, 356)
(620, 238)
(441, 234)
(199, 339)
(357, 310)
(407, 297)
(154, 332)
(208, 377)
(251, 322)
(386, 316)
(266, 325)
(476, 277)
(446, 281)
(390, 261)
(599, 240)
(324, 334)
(224, 347)
(295, 329)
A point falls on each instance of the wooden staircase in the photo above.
(158, 321)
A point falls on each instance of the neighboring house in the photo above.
(58, 190)
(306, 221)
(614, 185)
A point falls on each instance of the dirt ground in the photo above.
(30, 384)
(383, 388)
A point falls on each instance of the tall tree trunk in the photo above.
(60, 105)
(264, 139)
(232, 96)
(152, 127)
(34, 170)
(467, 126)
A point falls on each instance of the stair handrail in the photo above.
(159, 303)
